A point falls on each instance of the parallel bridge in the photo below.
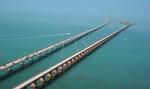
(51, 73)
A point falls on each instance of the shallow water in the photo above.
(122, 63)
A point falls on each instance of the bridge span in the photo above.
(49, 49)
(51, 73)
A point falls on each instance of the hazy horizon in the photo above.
(131, 10)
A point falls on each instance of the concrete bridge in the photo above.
(48, 50)
(51, 73)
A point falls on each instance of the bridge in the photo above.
(51, 73)
(48, 49)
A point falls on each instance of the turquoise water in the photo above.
(122, 63)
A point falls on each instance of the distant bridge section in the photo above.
(48, 50)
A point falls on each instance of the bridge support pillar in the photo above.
(42, 81)
(33, 85)
(49, 76)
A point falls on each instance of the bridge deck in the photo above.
(93, 46)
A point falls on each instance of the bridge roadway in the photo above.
(59, 68)
(44, 51)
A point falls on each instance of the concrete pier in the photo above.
(47, 50)
(67, 63)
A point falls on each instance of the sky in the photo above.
(127, 9)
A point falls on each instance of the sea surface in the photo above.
(122, 63)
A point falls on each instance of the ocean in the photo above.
(122, 63)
